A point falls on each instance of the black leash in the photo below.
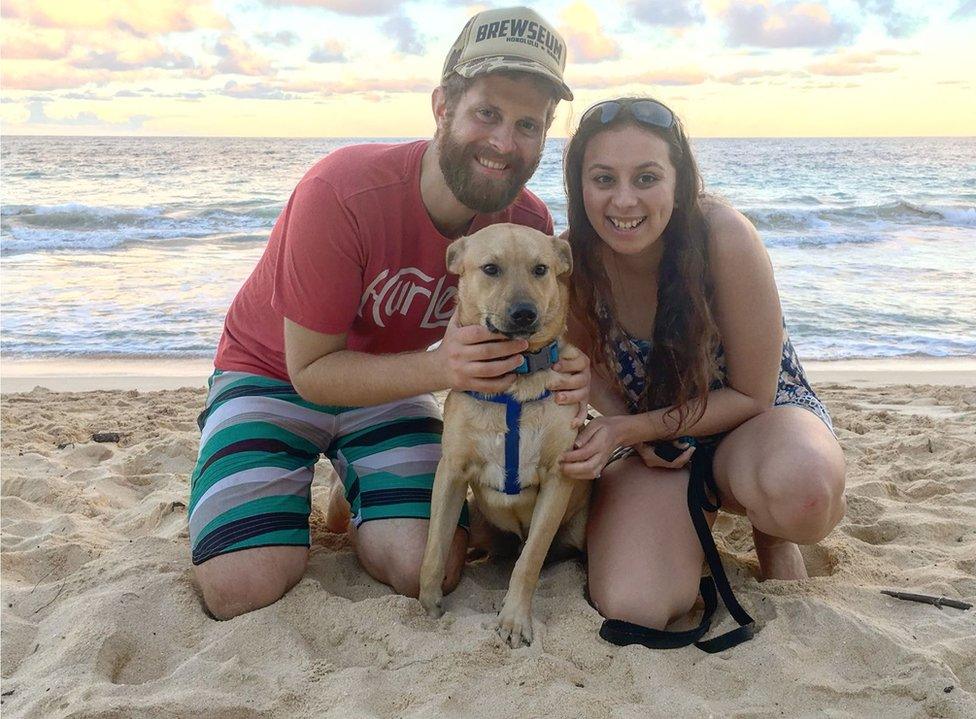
(701, 481)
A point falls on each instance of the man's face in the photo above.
(492, 142)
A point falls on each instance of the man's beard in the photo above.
(481, 194)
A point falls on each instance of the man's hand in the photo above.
(594, 445)
(572, 382)
(472, 358)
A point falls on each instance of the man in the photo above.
(324, 347)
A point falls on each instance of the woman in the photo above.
(675, 287)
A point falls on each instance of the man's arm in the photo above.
(323, 371)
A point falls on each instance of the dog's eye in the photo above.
(540, 270)
(490, 269)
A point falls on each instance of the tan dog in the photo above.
(512, 280)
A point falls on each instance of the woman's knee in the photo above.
(804, 491)
(637, 605)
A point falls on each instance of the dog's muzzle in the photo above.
(521, 320)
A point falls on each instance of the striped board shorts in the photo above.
(260, 441)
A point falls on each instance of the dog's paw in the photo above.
(515, 624)
(433, 604)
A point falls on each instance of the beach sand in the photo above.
(101, 619)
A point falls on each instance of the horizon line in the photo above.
(425, 137)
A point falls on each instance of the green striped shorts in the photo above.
(259, 443)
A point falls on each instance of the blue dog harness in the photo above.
(531, 362)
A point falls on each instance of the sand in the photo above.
(100, 617)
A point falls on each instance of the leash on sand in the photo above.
(701, 482)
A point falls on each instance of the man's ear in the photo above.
(438, 105)
(455, 256)
(565, 254)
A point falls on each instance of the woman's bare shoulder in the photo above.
(730, 232)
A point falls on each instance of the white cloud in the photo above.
(587, 41)
(784, 24)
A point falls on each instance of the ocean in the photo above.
(134, 247)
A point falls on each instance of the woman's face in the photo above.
(628, 187)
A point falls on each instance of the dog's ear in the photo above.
(565, 254)
(455, 256)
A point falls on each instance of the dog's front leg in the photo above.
(515, 618)
(447, 496)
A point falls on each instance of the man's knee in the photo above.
(237, 583)
(393, 554)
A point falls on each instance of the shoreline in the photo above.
(147, 375)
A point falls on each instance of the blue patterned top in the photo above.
(628, 358)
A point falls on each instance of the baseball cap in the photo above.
(514, 38)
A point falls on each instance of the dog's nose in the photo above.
(522, 314)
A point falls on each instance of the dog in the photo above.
(513, 280)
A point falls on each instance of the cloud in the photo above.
(283, 37)
(741, 77)
(140, 17)
(362, 8)
(967, 8)
(690, 76)
(670, 13)
(38, 116)
(22, 42)
(237, 57)
(255, 91)
(586, 39)
(87, 96)
(288, 90)
(897, 23)
(385, 85)
(848, 64)
(329, 51)
(786, 24)
(893, 51)
(122, 60)
(56, 78)
(402, 29)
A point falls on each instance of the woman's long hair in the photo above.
(680, 365)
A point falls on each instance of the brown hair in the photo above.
(681, 362)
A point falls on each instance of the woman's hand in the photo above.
(655, 461)
(572, 382)
(593, 446)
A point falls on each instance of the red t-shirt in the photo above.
(354, 252)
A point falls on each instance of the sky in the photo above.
(366, 68)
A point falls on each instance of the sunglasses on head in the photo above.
(646, 112)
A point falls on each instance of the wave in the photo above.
(79, 227)
(898, 213)
(76, 227)
(809, 351)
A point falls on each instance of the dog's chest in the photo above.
(490, 452)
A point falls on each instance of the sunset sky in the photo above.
(310, 68)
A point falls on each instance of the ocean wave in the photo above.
(79, 227)
(897, 213)
(809, 351)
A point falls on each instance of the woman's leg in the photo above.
(784, 470)
(643, 556)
